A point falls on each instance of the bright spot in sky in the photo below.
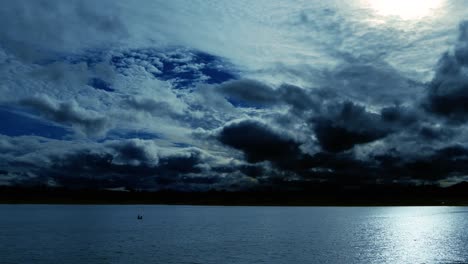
(405, 9)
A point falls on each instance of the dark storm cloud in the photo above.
(335, 138)
(255, 93)
(446, 162)
(338, 125)
(68, 113)
(127, 164)
(111, 164)
(346, 125)
(436, 165)
(299, 99)
(129, 151)
(436, 133)
(253, 170)
(448, 91)
(249, 91)
(345, 168)
(400, 115)
(260, 143)
(342, 168)
(95, 170)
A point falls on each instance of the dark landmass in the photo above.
(320, 195)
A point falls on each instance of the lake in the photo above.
(216, 234)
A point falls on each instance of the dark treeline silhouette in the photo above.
(314, 195)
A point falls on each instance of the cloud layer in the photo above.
(201, 96)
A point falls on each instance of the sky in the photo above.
(233, 95)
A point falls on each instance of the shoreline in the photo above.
(234, 204)
(370, 196)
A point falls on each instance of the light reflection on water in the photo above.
(423, 234)
(203, 234)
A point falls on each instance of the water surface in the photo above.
(212, 234)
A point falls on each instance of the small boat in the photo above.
(139, 217)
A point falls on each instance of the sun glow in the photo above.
(405, 9)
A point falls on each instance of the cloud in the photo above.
(68, 113)
(132, 163)
(448, 91)
(346, 125)
(135, 152)
(371, 81)
(129, 165)
(165, 98)
(86, 169)
(437, 164)
(152, 106)
(31, 28)
(260, 143)
(249, 91)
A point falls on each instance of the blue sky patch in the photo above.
(184, 68)
(14, 123)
